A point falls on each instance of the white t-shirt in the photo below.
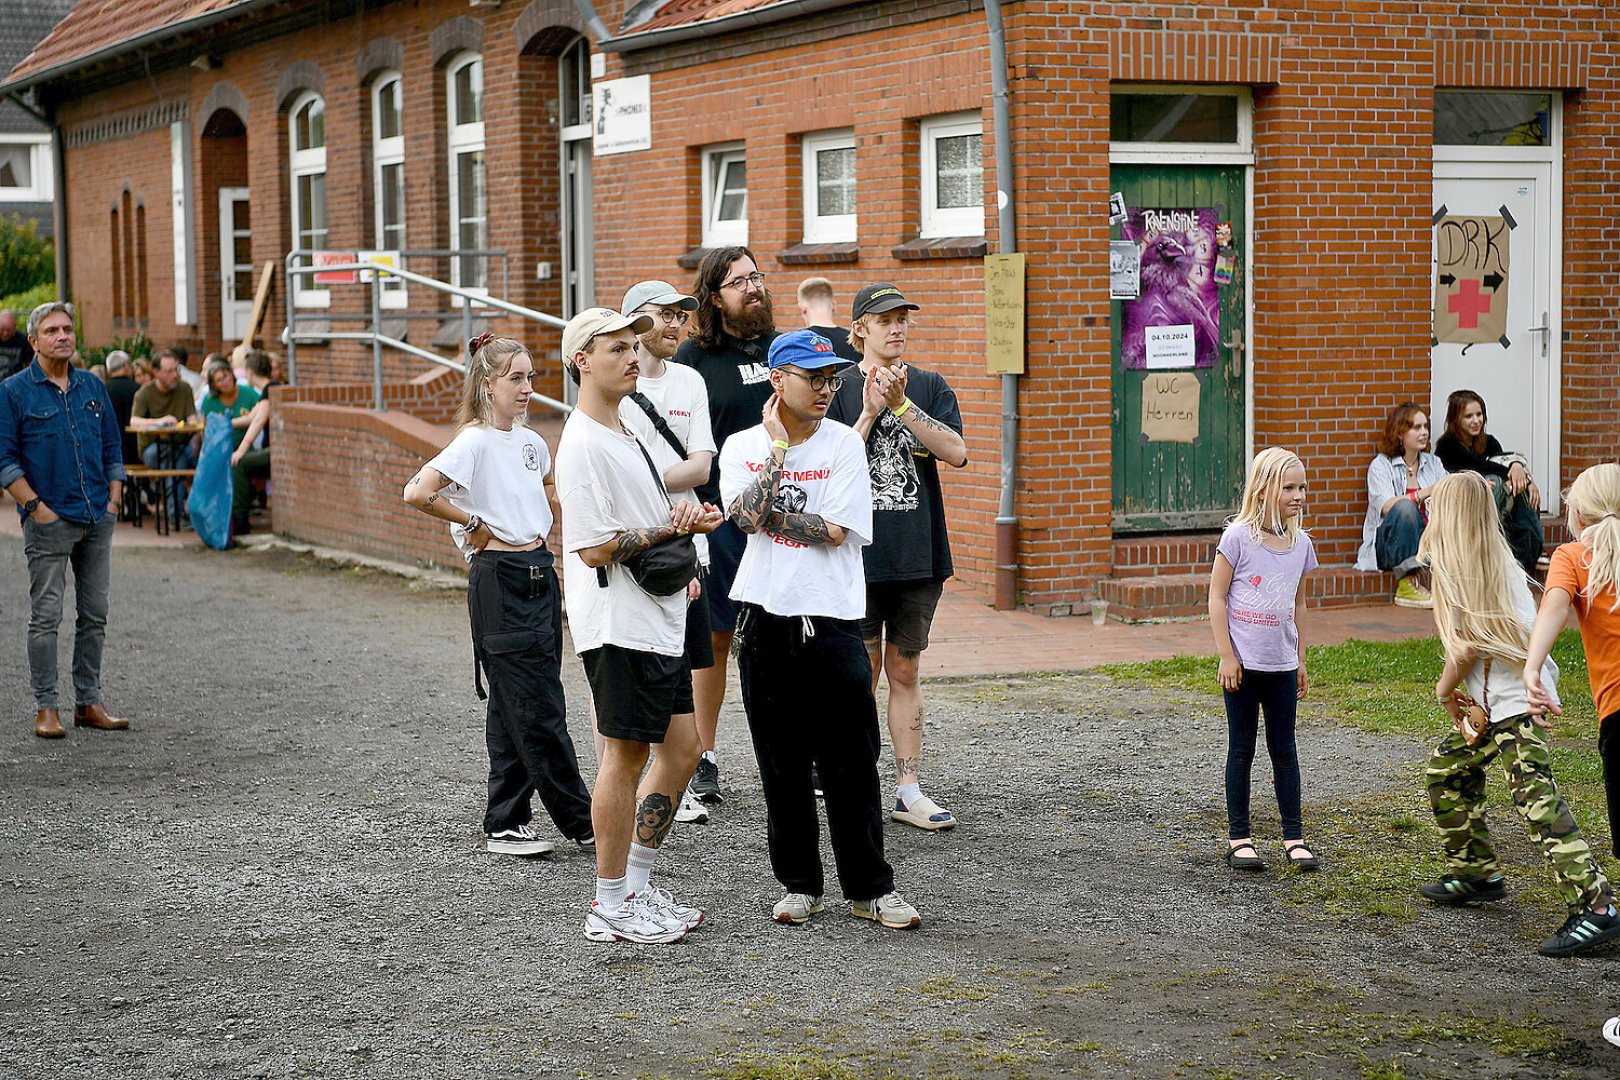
(825, 475)
(1505, 696)
(501, 477)
(606, 488)
(682, 397)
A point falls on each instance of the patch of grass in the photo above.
(796, 1065)
(950, 988)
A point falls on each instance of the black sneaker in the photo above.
(1452, 889)
(705, 782)
(1582, 931)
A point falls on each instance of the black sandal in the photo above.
(1244, 862)
(1308, 863)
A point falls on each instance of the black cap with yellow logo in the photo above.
(879, 297)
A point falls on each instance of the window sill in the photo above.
(812, 254)
(692, 258)
(943, 247)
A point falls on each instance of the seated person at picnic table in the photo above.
(1465, 447)
(1398, 484)
(236, 403)
(161, 404)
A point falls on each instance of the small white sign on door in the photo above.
(622, 115)
(1169, 346)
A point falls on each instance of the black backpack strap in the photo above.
(658, 422)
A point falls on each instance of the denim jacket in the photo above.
(67, 444)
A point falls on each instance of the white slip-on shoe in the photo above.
(925, 813)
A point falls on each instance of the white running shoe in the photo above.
(665, 904)
(519, 841)
(637, 922)
(797, 907)
(1611, 1030)
(692, 809)
(889, 910)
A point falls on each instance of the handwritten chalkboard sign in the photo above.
(1004, 314)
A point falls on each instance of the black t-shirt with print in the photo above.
(739, 384)
(15, 354)
(909, 541)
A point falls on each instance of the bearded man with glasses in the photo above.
(733, 327)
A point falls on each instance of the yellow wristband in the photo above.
(904, 405)
(779, 444)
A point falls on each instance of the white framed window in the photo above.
(829, 187)
(469, 231)
(388, 174)
(952, 175)
(25, 167)
(306, 142)
(725, 195)
(1160, 123)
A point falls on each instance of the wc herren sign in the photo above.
(1471, 278)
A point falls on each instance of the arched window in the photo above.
(464, 97)
(388, 174)
(306, 142)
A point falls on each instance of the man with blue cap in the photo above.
(799, 487)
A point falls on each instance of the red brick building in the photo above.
(1315, 158)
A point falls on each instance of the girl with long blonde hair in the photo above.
(1483, 612)
(1254, 611)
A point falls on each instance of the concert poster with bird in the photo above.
(1178, 286)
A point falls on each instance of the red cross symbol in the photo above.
(1468, 304)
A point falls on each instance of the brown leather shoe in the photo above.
(96, 716)
(48, 724)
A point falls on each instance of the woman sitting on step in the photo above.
(1398, 483)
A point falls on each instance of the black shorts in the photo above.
(900, 612)
(637, 692)
(726, 546)
(699, 645)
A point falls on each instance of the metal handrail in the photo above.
(379, 340)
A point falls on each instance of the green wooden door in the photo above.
(1167, 485)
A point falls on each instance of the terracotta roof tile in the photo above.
(681, 12)
(94, 25)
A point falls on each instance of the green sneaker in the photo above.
(1408, 593)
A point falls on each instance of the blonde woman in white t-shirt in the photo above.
(493, 484)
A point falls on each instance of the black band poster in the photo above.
(1175, 322)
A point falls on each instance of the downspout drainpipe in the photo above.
(59, 183)
(594, 27)
(1007, 509)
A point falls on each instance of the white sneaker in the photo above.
(797, 907)
(1611, 1030)
(665, 904)
(889, 910)
(692, 809)
(519, 841)
(637, 922)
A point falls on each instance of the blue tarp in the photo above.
(209, 503)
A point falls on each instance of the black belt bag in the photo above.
(666, 568)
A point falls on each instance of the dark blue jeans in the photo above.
(1274, 693)
(1398, 535)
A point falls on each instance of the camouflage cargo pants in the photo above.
(1456, 781)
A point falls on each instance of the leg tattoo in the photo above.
(654, 819)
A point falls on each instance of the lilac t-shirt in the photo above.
(1260, 603)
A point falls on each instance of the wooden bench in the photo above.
(159, 482)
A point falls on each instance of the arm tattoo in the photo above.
(433, 498)
(756, 500)
(928, 421)
(417, 479)
(654, 819)
(633, 542)
(805, 528)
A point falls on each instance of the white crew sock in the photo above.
(909, 793)
(708, 755)
(611, 892)
(639, 869)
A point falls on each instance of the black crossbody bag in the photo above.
(667, 568)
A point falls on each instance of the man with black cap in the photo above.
(910, 421)
(669, 412)
(797, 484)
(631, 641)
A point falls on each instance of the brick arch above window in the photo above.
(379, 54)
(296, 77)
(457, 35)
(224, 95)
(548, 26)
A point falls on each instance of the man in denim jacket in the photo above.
(61, 458)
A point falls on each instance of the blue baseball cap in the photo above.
(805, 349)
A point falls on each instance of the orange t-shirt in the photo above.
(1600, 625)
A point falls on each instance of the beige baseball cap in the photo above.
(577, 335)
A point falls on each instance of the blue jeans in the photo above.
(1397, 541)
(1274, 693)
(163, 453)
(50, 550)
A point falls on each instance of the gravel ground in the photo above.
(278, 873)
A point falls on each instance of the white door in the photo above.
(235, 262)
(1494, 238)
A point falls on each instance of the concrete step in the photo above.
(1186, 595)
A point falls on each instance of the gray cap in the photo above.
(661, 293)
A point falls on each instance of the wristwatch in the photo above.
(30, 506)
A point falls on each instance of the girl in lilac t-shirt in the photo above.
(1254, 610)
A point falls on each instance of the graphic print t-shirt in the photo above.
(824, 475)
(739, 385)
(501, 477)
(681, 398)
(1260, 603)
(909, 541)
